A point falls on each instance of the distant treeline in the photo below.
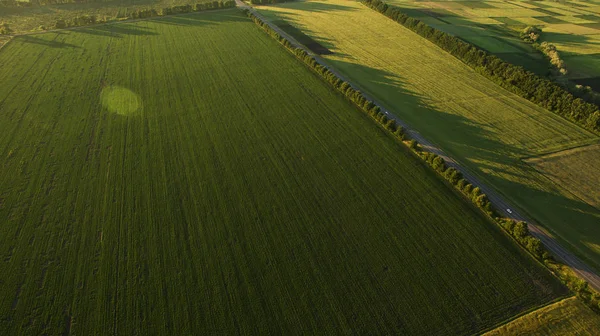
(514, 78)
(86, 20)
(518, 231)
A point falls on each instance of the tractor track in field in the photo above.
(500, 203)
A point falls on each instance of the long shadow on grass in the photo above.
(283, 19)
(117, 30)
(202, 19)
(121, 29)
(568, 39)
(491, 159)
(313, 6)
(47, 43)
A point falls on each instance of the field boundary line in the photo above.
(585, 143)
(506, 209)
(527, 312)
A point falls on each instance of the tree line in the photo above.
(533, 34)
(540, 91)
(86, 20)
(518, 231)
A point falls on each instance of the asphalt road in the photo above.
(500, 204)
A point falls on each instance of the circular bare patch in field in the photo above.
(121, 101)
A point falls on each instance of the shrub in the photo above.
(5, 29)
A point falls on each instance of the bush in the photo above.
(412, 144)
(5, 29)
(531, 33)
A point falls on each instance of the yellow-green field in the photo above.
(567, 317)
(577, 170)
(475, 121)
(573, 26)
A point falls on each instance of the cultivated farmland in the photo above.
(576, 170)
(478, 123)
(187, 175)
(572, 26)
(41, 17)
(567, 317)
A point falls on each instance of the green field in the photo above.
(572, 26)
(188, 175)
(481, 125)
(36, 17)
(564, 318)
(574, 169)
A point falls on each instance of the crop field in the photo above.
(577, 170)
(572, 26)
(566, 317)
(188, 175)
(475, 121)
(36, 17)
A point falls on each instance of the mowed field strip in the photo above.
(566, 317)
(188, 175)
(484, 127)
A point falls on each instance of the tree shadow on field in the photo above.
(201, 19)
(120, 29)
(117, 30)
(293, 27)
(491, 159)
(92, 31)
(47, 43)
(312, 6)
(568, 39)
